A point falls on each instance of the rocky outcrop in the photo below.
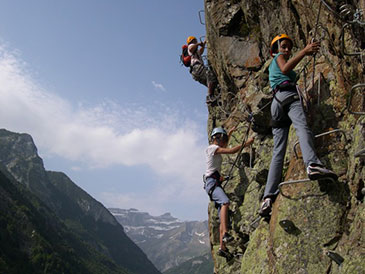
(315, 227)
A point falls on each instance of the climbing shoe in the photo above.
(319, 172)
(227, 238)
(225, 254)
(265, 208)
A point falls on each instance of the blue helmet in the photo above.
(218, 130)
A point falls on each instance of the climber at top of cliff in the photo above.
(286, 108)
(213, 180)
(198, 70)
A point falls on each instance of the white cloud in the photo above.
(158, 86)
(105, 135)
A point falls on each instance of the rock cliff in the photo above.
(80, 224)
(315, 227)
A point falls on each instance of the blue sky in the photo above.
(99, 87)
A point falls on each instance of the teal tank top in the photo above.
(276, 77)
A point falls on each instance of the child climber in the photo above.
(198, 70)
(286, 108)
(213, 180)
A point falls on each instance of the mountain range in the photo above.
(167, 241)
(50, 225)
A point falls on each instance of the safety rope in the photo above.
(240, 151)
(313, 40)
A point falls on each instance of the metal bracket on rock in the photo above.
(338, 259)
(289, 227)
(360, 153)
(292, 182)
(200, 17)
(346, 10)
(320, 135)
(343, 43)
(361, 85)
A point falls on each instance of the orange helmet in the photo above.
(190, 38)
(278, 38)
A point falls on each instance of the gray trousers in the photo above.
(297, 116)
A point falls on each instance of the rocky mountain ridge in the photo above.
(85, 219)
(167, 241)
(315, 227)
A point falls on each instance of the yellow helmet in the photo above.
(277, 38)
(190, 38)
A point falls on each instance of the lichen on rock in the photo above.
(321, 218)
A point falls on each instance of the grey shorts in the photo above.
(218, 196)
(203, 75)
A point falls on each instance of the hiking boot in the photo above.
(320, 172)
(225, 254)
(265, 208)
(227, 238)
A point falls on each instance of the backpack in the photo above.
(185, 58)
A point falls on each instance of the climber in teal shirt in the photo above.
(276, 77)
(287, 109)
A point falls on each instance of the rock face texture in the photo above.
(315, 227)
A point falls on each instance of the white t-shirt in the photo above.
(195, 57)
(214, 161)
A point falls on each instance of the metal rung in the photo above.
(360, 153)
(200, 17)
(292, 182)
(320, 135)
(343, 43)
(346, 9)
(361, 85)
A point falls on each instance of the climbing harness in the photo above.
(218, 183)
(283, 120)
(320, 135)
